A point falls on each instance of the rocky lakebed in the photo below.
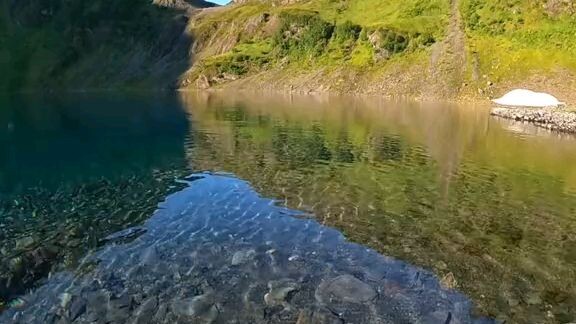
(217, 252)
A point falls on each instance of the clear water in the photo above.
(440, 212)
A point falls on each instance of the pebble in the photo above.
(449, 281)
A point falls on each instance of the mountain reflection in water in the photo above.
(442, 186)
(487, 206)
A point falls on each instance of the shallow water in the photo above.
(330, 210)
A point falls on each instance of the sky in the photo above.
(221, 2)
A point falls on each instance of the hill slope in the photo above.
(433, 48)
(424, 48)
(46, 44)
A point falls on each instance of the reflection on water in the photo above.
(444, 187)
(487, 205)
(76, 168)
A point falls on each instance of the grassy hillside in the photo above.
(371, 42)
(433, 48)
(322, 33)
(514, 38)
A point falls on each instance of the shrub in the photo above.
(347, 32)
(394, 42)
(302, 34)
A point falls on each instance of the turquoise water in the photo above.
(443, 204)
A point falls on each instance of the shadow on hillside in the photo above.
(74, 46)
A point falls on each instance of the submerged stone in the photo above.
(318, 316)
(77, 307)
(346, 288)
(202, 308)
(25, 243)
(279, 291)
(242, 257)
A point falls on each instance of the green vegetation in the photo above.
(409, 15)
(304, 36)
(514, 38)
(240, 60)
(498, 41)
(116, 44)
(48, 43)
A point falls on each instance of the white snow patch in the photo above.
(528, 98)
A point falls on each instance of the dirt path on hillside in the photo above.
(448, 60)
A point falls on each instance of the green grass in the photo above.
(320, 34)
(514, 38)
(240, 60)
(409, 15)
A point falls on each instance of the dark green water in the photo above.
(487, 205)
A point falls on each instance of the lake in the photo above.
(253, 208)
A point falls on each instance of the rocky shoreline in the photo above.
(550, 118)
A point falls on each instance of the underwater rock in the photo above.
(25, 243)
(242, 257)
(202, 308)
(145, 312)
(77, 307)
(318, 316)
(279, 291)
(345, 288)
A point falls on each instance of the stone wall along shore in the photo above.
(551, 118)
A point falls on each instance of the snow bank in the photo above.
(527, 98)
